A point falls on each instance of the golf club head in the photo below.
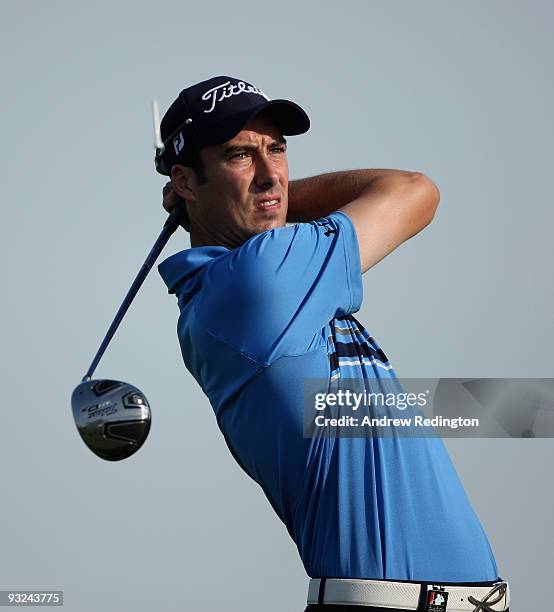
(112, 417)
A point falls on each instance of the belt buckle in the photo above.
(437, 599)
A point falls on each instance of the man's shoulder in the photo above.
(276, 245)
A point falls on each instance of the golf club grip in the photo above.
(171, 224)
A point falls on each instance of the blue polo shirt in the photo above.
(257, 321)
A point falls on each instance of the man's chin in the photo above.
(269, 225)
(265, 226)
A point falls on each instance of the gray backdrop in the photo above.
(460, 91)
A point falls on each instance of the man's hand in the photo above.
(172, 200)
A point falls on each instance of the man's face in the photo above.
(246, 187)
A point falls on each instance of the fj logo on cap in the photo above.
(178, 143)
(226, 90)
(436, 601)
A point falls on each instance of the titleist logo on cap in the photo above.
(226, 90)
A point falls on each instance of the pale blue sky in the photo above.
(460, 91)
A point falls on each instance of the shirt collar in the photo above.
(179, 270)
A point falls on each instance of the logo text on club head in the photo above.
(101, 410)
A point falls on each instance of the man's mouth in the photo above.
(268, 204)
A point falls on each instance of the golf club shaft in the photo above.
(169, 227)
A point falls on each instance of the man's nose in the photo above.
(266, 173)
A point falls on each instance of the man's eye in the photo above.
(240, 155)
(279, 149)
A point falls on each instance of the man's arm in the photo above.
(317, 196)
(387, 207)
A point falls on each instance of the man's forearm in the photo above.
(317, 196)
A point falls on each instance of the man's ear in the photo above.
(184, 182)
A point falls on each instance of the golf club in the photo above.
(114, 417)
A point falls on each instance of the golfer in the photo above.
(381, 523)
